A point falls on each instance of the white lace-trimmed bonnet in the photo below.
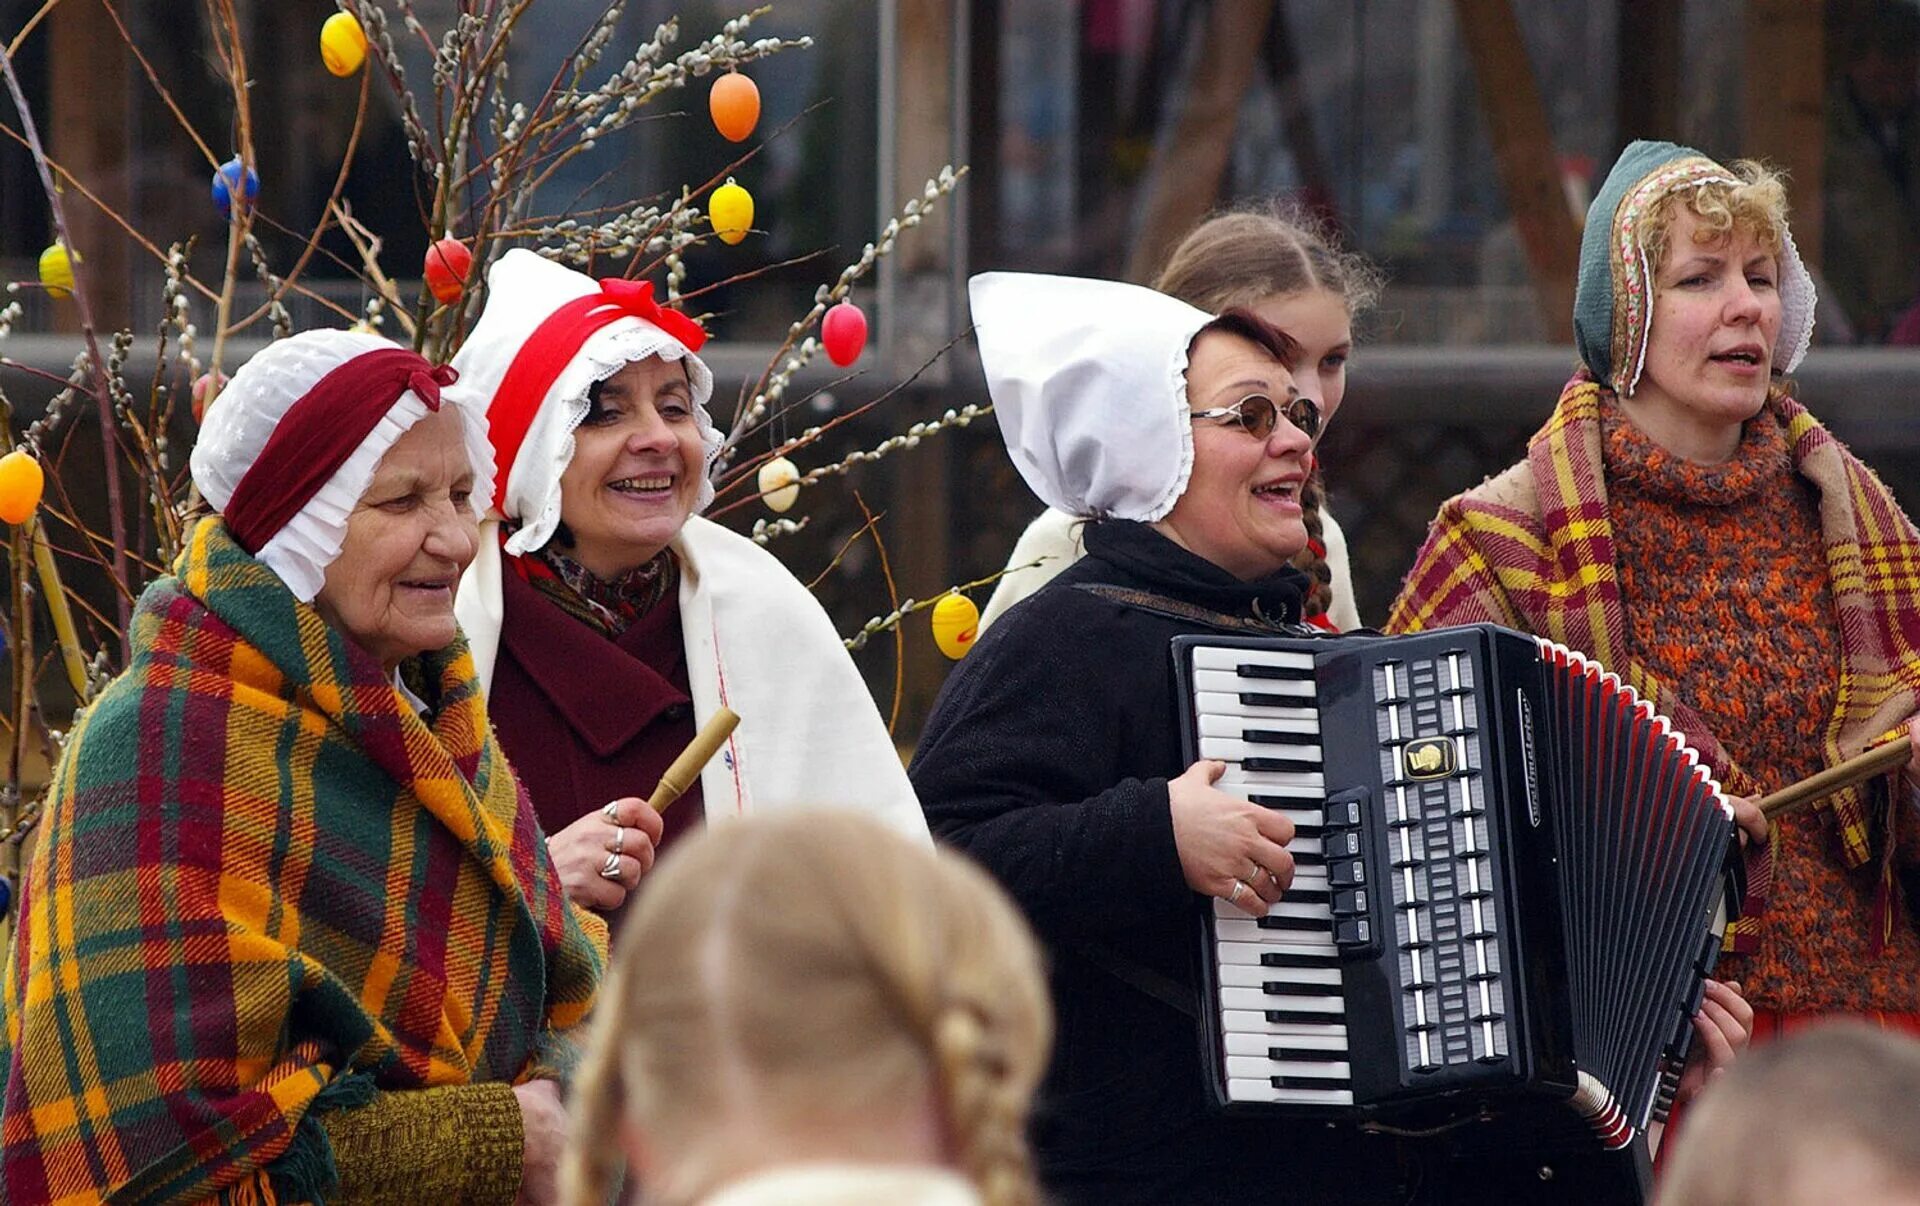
(528, 340)
(1088, 380)
(260, 456)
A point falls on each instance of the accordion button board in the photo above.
(1428, 956)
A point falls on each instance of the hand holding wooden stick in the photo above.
(1875, 761)
(686, 768)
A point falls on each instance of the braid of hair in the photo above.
(1313, 558)
(986, 1109)
(588, 1170)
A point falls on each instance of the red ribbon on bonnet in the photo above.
(320, 431)
(552, 347)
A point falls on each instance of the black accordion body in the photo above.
(1511, 879)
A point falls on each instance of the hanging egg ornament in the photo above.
(56, 270)
(731, 211)
(448, 262)
(956, 622)
(20, 484)
(205, 390)
(234, 178)
(843, 332)
(779, 484)
(343, 44)
(734, 102)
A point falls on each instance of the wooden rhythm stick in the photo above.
(686, 768)
(1876, 761)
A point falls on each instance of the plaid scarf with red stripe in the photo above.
(1533, 550)
(267, 887)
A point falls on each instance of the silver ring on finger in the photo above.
(1239, 886)
(611, 811)
(612, 869)
(620, 840)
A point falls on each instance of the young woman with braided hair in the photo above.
(809, 1010)
(1288, 267)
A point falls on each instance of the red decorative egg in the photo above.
(448, 262)
(844, 333)
(204, 391)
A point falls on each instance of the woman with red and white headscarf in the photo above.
(289, 933)
(608, 619)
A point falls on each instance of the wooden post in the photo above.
(1184, 182)
(920, 502)
(1523, 146)
(1786, 109)
(88, 118)
(1648, 93)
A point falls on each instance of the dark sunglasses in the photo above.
(1258, 415)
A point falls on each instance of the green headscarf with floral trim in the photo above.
(1613, 300)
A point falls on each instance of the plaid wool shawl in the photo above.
(1533, 549)
(267, 887)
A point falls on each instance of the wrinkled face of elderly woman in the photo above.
(409, 539)
(1241, 508)
(635, 473)
(1715, 321)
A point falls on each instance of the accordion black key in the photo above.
(1511, 880)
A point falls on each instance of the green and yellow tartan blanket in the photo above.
(1533, 549)
(267, 887)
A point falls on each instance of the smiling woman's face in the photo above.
(409, 538)
(636, 468)
(1241, 508)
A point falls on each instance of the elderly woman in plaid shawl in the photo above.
(1685, 521)
(290, 933)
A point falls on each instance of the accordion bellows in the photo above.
(1512, 877)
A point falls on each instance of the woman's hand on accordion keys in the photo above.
(1228, 847)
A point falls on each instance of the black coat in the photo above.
(1047, 758)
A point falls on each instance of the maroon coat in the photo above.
(585, 719)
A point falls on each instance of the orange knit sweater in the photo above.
(1725, 582)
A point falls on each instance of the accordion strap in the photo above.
(1162, 988)
(1180, 609)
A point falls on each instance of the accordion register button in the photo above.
(1353, 931)
(1343, 813)
(1350, 902)
(1347, 873)
(1341, 845)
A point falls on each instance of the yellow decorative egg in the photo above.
(956, 622)
(779, 484)
(731, 211)
(343, 44)
(56, 270)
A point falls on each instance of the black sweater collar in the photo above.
(1158, 564)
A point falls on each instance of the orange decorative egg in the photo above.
(734, 102)
(21, 482)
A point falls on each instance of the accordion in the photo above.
(1511, 880)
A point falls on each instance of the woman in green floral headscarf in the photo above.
(1686, 522)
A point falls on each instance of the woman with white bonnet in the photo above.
(608, 619)
(1053, 753)
(289, 933)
